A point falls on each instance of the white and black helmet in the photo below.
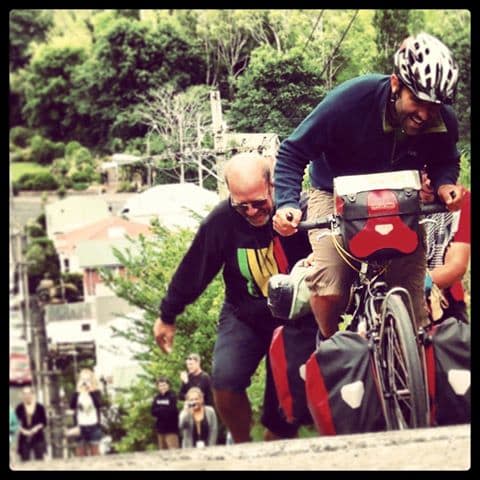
(426, 66)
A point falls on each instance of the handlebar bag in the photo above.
(378, 213)
(447, 354)
(291, 346)
(343, 394)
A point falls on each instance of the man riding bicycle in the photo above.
(370, 124)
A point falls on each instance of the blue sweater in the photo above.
(346, 135)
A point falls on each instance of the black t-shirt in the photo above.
(248, 255)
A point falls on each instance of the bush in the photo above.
(20, 136)
(71, 148)
(37, 181)
(59, 149)
(62, 192)
(44, 181)
(80, 186)
(21, 155)
(81, 177)
(82, 156)
(126, 187)
(43, 151)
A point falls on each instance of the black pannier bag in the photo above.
(343, 394)
(447, 352)
(362, 201)
(291, 346)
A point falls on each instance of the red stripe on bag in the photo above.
(431, 374)
(278, 363)
(317, 398)
(280, 256)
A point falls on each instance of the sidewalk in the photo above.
(443, 448)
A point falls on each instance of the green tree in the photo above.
(453, 27)
(391, 27)
(48, 83)
(276, 92)
(149, 272)
(26, 26)
(129, 58)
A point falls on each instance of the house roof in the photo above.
(99, 253)
(108, 228)
(175, 205)
(74, 212)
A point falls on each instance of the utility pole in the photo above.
(49, 373)
(218, 139)
(199, 153)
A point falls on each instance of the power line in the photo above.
(313, 30)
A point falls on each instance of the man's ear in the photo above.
(394, 83)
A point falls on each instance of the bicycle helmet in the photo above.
(426, 66)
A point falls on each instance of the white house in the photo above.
(74, 212)
(175, 205)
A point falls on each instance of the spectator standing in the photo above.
(196, 377)
(448, 256)
(13, 429)
(33, 420)
(198, 422)
(164, 409)
(85, 403)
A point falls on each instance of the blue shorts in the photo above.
(239, 349)
(90, 433)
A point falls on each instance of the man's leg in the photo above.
(235, 412)
(409, 272)
(171, 440)
(330, 277)
(237, 354)
(327, 310)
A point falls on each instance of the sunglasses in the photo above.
(243, 206)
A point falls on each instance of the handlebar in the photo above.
(326, 222)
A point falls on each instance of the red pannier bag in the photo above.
(343, 394)
(291, 346)
(447, 353)
(362, 201)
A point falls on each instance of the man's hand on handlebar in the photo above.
(163, 334)
(451, 196)
(286, 219)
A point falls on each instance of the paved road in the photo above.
(445, 448)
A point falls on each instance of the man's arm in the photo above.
(198, 267)
(454, 267)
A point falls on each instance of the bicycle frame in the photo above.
(370, 296)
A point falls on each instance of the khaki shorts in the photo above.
(331, 276)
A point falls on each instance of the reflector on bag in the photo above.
(378, 213)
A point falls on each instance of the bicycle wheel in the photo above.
(402, 373)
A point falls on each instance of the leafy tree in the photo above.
(128, 59)
(42, 258)
(453, 27)
(276, 92)
(48, 83)
(196, 327)
(175, 121)
(26, 26)
(392, 28)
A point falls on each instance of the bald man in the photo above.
(237, 238)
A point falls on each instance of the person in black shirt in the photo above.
(237, 238)
(164, 409)
(195, 377)
(33, 420)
